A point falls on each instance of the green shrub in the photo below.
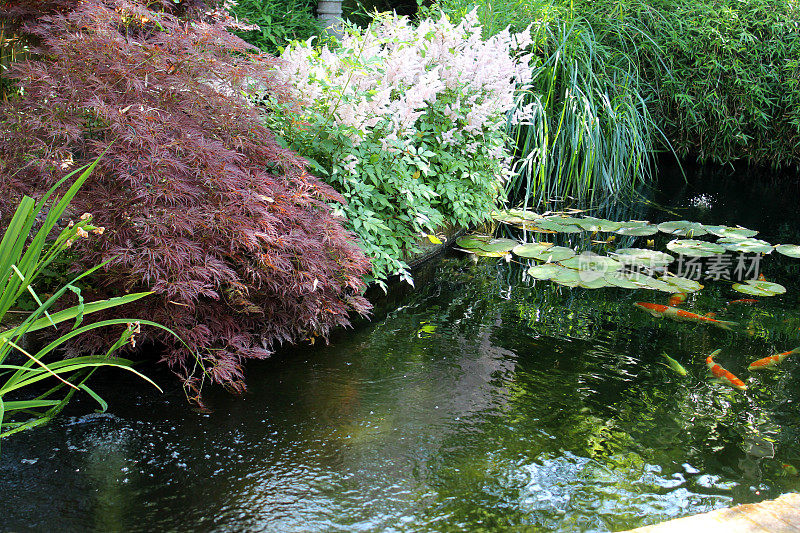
(408, 124)
(279, 22)
(725, 73)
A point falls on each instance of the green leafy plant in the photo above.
(276, 23)
(25, 252)
(408, 124)
(590, 131)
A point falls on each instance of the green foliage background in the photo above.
(279, 22)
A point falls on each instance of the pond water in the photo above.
(482, 401)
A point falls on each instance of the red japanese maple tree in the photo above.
(199, 202)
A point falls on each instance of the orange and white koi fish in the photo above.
(744, 301)
(674, 313)
(723, 375)
(771, 361)
(677, 298)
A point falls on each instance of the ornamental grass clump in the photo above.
(200, 203)
(407, 123)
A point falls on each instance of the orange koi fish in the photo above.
(658, 310)
(744, 301)
(677, 299)
(723, 375)
(771, 361)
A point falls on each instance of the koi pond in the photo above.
(483, 400)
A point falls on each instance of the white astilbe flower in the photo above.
(392, 73)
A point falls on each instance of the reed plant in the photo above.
(25, 253)
(589, 130)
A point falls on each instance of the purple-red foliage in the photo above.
(199, 202)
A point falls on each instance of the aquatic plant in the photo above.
(630, 268)
(407, 123)
(27, 249)
(203, 207)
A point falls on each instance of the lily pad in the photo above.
(468, 242)
(553, 225)
(592, 279)
(747, 246)
(483, 253)
(683, 228)
(731, 231)
(623, 280)
(554, 254)
(694, 248)
(598, 224)
(791, 250)
(643, 257)
(637, 228)
(592, 261)
(682, 284)
(567, 277)
(545, 271)
(756, 287)
(505, 216)
(498, 246)
(529, 250)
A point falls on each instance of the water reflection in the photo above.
(484, 401)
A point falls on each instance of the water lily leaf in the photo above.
(637, 228)
(681, 284)
(730, 231)
(623, 280)
(554, 254)
(791, 250)
(545, 271)
(564, 220)
(505, 216)
(592, 261)
(524, 214)
(498, 246)
(592, 279)
(553, 225)
(531, 249)
(683, 228)
(655, 284)
(756, 287)
(748, 245)
(643, 257)
(468, 242)
(598, 224)
(483, 253)
(694, 248)
(567, 277)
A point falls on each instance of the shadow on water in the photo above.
(483, 400)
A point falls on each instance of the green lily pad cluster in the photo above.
(756, 287)
(629, 268)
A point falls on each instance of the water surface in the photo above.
(482, 401)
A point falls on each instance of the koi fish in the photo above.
(711, 314)
(723, 375)
(771, 361)
(658, 310)
(677, 299)
(744, 301)
(674, 365)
